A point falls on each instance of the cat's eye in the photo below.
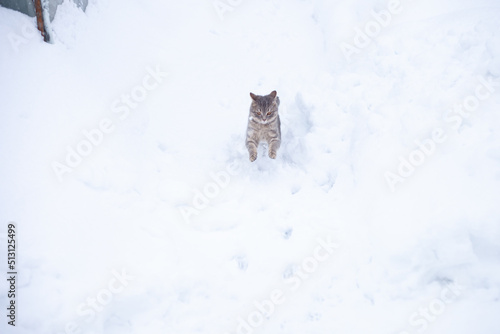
(259, 113)
(268, 113)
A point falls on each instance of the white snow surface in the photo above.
(202, 240)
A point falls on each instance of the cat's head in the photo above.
(264, 109)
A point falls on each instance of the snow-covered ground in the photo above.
(124, 169)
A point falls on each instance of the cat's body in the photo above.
(263, 124)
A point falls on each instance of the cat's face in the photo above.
(264, 109)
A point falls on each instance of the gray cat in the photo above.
(263, 124)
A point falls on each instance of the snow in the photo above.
(164, 226)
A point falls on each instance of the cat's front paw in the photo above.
(272, 154)
(253, 156)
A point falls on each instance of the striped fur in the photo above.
(263, 124)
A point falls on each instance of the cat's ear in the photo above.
(273, 94)
(253, 96)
